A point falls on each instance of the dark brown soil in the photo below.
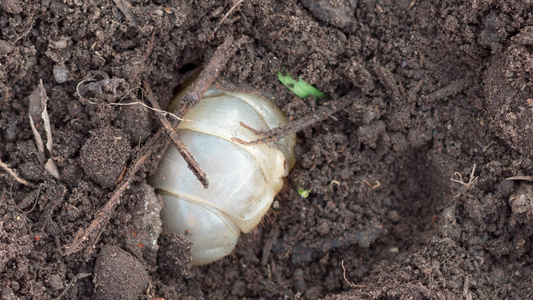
(445, 91)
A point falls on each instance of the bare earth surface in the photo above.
(444, 90)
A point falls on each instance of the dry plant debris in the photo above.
(14, 174)
(38, 113)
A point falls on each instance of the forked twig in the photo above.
(72, 281)
(471, 181)
(193, 95)
(282, 131)
(466, 185)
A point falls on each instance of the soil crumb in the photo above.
(118, 275)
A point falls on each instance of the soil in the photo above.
(409, 196)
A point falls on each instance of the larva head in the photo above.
(243, 180)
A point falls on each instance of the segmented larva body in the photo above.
(243, 180)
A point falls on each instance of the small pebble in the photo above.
(61, 73)
(55, 282)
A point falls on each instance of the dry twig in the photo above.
(527, 178)
(14, 174)
(197, 90)
(280, 132)
(72, 281)
(34, 202)
(46, 216)
(471, 181)
(192, 163)
(224, 18)
(466, 185)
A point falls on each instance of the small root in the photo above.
(471, 181)
(353, 285)
(14, 175)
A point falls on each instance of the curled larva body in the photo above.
(243, 180)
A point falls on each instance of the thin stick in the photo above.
(46, 216)
(72, 281)
(197, 90)
(14, 174)
(151, 45)
(282, 131)
(191, 162)
(224, 18)
(528, 178)
(104, 214)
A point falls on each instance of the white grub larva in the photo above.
(243, 180)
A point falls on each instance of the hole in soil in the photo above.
(529, 48)
(187, 68)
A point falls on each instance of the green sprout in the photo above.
(303, 192)
(301, 88)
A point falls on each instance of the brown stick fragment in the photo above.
(197, 90)
(191, 162)
(49, 209)
(72, 281)
(282, 131)
(224, 18)
(151, 45)
(527, 178)
(125, 8)
(386, 78)
(451, 89)
(102, 217)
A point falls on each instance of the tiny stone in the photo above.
(55, 282)
(5, 48)
(61, 73)
(12, 6)
(345, 174)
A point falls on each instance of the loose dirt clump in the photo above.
(408, 190)
(103, 157)
(118, 275)
(508, 90)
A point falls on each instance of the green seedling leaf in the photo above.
(303, 192)
(301, 88)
